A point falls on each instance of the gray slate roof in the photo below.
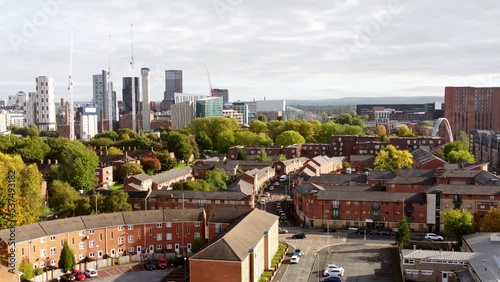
(103, 220)
(62, 225)
(372, 196)
(171, 174)
(225, 214)
(141, 177)
(202, 195)
(24, 233)
(338, 178)
(465, 189)
(438, 255)
(486, 246)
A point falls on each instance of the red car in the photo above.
(79, 275)
(162, 262)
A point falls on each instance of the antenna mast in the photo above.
(134, 125)
(70, 88)
(109, 89)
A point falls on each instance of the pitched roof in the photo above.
(382, 175)
(485, 245)
(171, 174)
(137, 217)
(463, 189)
(412, 180)
(291, 161)
(131, 193)
(103, 220)
(226, 214)
(63, 225)
(241, 186)
(141, 177)
(371, 196)
(234, 243)
(183, 214)
(23, 232)
(339, 178)
(202, 195)
(362, 158)
(422, 156)
(438, 255)
(416, 172)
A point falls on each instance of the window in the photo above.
(218, 228)
(137, 205)
(158, 237)
(81, 256)
(42, 240)
(169, 236)
(169, 246)
(82, 245)
(158, 225)
(169, 224)
(131, 249)
(177, 230)
(91, 231)
(73, 240)
(91, 254)
(158, 247)
(112, 236)
(42, 253)
(197, 224)
(100, 236)
(196, 234)
(82, 232)
(188, 230)
(53, 250)
(409, 261)
(53, 262)
(130, 239)
(120, 240)
(130, 227)
(52, 238)
(150, 231)
(120, 250)
(120, 228)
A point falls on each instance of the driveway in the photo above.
(130, 273)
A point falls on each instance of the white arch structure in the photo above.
(448, 127)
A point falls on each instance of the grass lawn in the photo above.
(116, 186)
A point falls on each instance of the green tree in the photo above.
(463, 137)
(263, 140)
(31, 149)
(63, 199)
(67, 259)
(7, 143)
(458, 223)
(382, 133)
(404, 131)
(166, 161)
(108, 134)
(460, 156)
(27, 269)
(392, 159)
(258, 127)
(27, 199)
(275, 127)
(212, 126)
(453, 146)
(217, 178)
(56, 146)
(77, 166)
(127, 170)
(151, 165)
(179, 145)
(124, 137)
(289, 137)
(132, 134)
(224, 141)
(344, 119)
(203, 141)
(101, 142)
(195, 148)
(113, 151)
(198, 243)
(492, 221)
(282, 158)
(262, 156)
(245, 137)
(31, 131)
(358, 122)
(242, 155)
(262, 118)
(403, 234)
(116, 202)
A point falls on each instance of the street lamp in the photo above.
(185, 260)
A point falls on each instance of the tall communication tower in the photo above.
(134, 125)
(70, 88)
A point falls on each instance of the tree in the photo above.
(460, 156)
(56, 146)
(262, 118)
(262, 156)
(31, 131)
(245, 137)
(116, 202)
(463, 137)
(344, 119)
(453, 146)
(403, 234)
(289, 137)
(242, 155)
(77, 165)
(282, 158)
(382, 133)
(258, 126)
(27, 269)
(132, 134)
(113, 151)
(217, 178)
(224, 141)
(179, 145)
(101, 142)
(127, 170)
(458, 223)
(151, 165)
(108, 134)
(203, 141)
(404, 131)
(392, 159)
(67, 259)
(197, 245)
(63, 198)
(166, 161)
(31, 149)
(25, 202)
(492, 221)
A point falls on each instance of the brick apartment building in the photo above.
(485, 146)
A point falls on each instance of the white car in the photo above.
(295, 259)
(90, 273)
(267, 194)
(433, 237)
(333, 270)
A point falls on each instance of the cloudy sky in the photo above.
(281, 49)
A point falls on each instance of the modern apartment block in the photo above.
(100, 93)
(429, 111)
(127, 95)
(182, 114)
(173, 84)
(44, 104)
(89, 116)
(224, 93)
(468, 108)
(146, 111)
(485, 146)
(242, 108)
(209, 107)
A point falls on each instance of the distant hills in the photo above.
(353, 101)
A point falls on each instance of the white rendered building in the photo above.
(44, 105)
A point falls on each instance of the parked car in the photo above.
(334, 271)
(162, 263)
(331, 229)
(90, 273)
(282, 230)
(295, 259)
(385, 233)
(300, 235)
(263, 201)
(267, 194)
(433, 237)
(332, 279)
(68, 277)
(362, 231)
(298, 252)
(283, 178)
(150, 265)
(79, 275)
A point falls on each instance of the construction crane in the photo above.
(134, 125)
(70, 88)
(209, 82)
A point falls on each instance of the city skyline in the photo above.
(325, 50)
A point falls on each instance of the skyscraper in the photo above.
(146, 112)
(44, 105)
(127, 95)
(173, 84)
(224, 93)
(100, 91)
(468, 108)
(209, 107)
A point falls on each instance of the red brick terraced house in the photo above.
(289, 166)
(321, 165)
(241, 252)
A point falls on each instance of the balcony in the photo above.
(336, 216)
(409, 209)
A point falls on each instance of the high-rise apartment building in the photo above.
(89, 116)
(127, 95)
(146, 111)
(17, 101)
(468, 108)
(100, 91)
(44, 104)
(173, 84)
(209, 107)
(224, 93)
(242, 108)
(182, 114)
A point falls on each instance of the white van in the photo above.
(283, 178)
